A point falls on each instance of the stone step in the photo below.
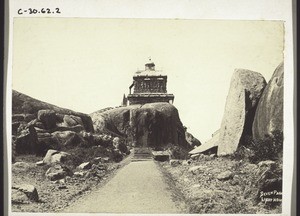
(142, 154)
(149, 157)
(139, 160)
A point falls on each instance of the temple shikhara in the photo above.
(149, 86)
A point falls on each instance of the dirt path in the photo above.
(138, 187)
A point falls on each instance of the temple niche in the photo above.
(149, 86)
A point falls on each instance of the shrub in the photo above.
(177, 152)
(117, 156)
(268, 148)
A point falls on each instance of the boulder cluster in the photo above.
(254, 108)
(51, 130)
(58, 171)
(38, 126)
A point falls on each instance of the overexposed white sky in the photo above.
(87, 64)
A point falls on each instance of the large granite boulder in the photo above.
(54, 157)
(59, 139)
(62, 136)
(48, 118)
(245, 90)
(72, 139)
(29, 190)
(26, 142)
(269, 114)
(70, 120)
(152, 124)
(19, 197)
(57, 172)
(46, 141)
(75, 139)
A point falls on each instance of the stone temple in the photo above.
(149, 86)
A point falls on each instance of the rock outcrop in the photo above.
(151, 125)
(25, 108)
(193, 141)
(26, 142)
(269, 114)
(38, 126)
(246, 88)
(48, 118)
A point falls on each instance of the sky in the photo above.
(87, 64)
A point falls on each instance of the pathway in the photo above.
(138, 187)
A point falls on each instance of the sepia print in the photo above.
(147, 116)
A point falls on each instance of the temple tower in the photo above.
(150, 86)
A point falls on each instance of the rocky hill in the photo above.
(38, 126)
(154, 124)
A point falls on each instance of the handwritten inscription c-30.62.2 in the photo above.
(39, 11)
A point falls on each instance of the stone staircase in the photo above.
(142, 154)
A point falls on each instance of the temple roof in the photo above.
(149, 73)
(149, 70)
(148, 94)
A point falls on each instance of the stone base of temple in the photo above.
(149, 98)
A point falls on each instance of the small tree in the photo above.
(268, 148)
